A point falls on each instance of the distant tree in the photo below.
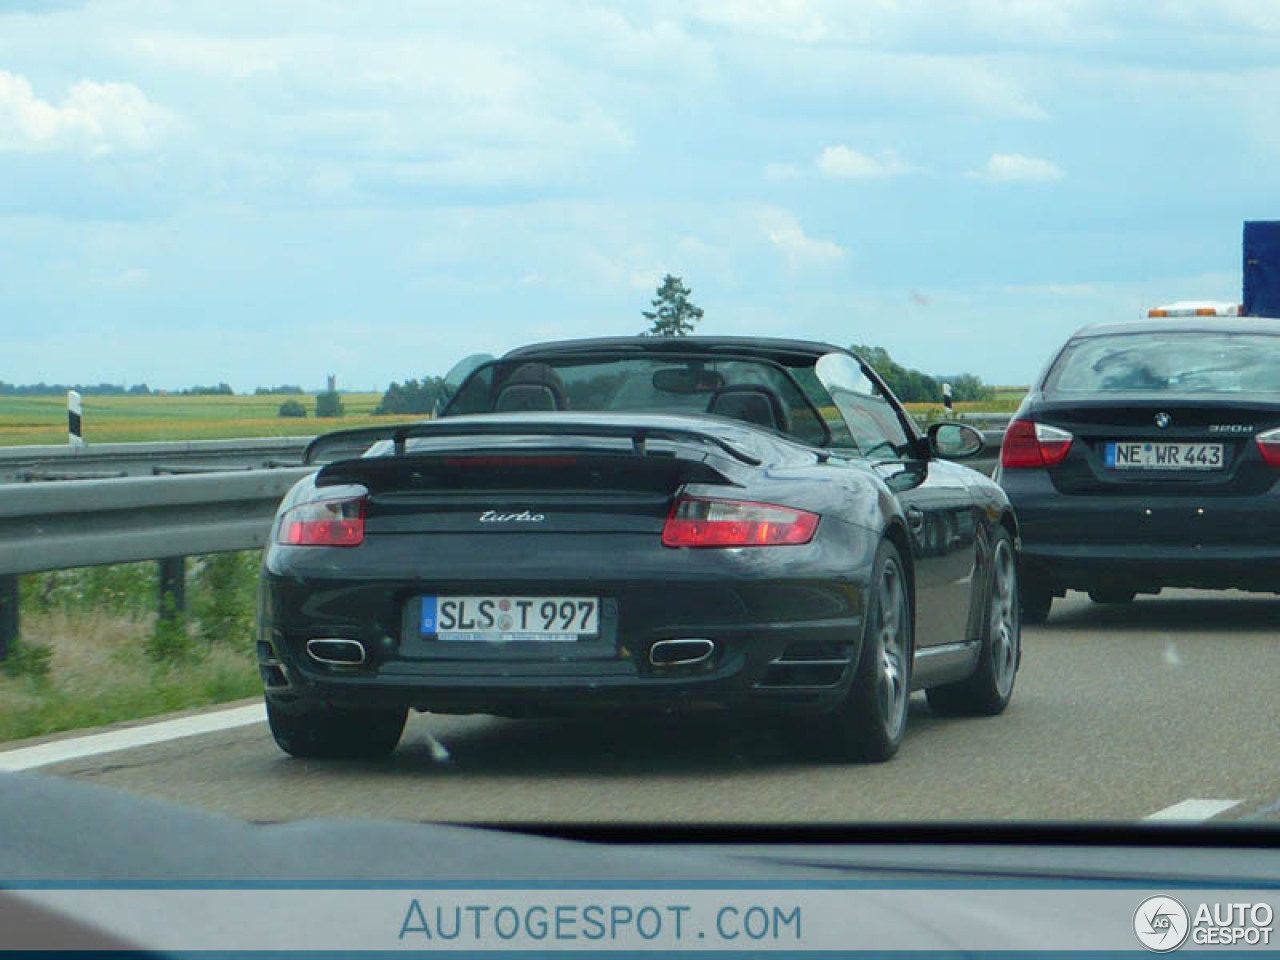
(329, 404)
(285, 389)
(221, 390)
(43, 389)
(912, 386)
(412, 396)
(292, 408)
(967, 388)
(139, 390)
(673, 313)
(909, 386)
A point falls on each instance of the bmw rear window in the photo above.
(1168, 362)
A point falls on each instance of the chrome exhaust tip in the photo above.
(681, 653)
(336, 651)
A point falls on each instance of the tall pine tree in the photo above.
(673, 313)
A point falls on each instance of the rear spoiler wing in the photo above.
(352, 443)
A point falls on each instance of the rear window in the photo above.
(757, 390)
(1183, 362)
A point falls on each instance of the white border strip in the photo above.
(75, 748)
(1193, 810)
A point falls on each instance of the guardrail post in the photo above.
(173, 586)
(8, 613)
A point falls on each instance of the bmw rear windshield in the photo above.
(1210, 362)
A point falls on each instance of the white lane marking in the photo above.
(421, 738)
(1193, 810)
(44, 754)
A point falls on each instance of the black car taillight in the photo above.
(696, 522)
(1269, 446)
(323, 523)
(1030, 444)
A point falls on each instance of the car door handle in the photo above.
(915, 518)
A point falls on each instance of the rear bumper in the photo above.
(1151, 568)
(780, 639)
(1145, 542)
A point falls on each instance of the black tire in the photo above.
(320, 731)
(1112, 595)
(988, 691)
(871, 721)
(1037, 599)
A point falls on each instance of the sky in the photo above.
(265, 193)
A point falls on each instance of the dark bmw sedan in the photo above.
(1147, 456)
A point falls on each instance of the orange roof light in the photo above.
(1197, 308)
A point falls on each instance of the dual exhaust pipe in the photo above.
(681, 653)
(684, 652)
(336, 651)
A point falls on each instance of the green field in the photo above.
(26, 420)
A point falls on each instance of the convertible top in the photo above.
(771, 347)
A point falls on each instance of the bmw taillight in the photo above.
(323, 523)
(1030, 444)
(1269, 446)
(695, 522)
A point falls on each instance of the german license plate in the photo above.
(506, 619)
(1147, 455)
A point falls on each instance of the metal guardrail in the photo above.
(54, 526)
(89, 522)
(102, 460)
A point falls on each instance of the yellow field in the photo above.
(1006, 401)
(29, 420)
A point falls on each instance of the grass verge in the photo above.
(89, 655)
(99, 673)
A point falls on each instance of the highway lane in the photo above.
(1120, 712)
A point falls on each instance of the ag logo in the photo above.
(1161, 924)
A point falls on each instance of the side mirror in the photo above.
(954, 441)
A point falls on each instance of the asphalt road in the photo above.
(1120, 712)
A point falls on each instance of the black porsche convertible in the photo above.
(642, 523)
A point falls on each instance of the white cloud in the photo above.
(800, 250)
(845, 163)
(914, 23)
(94, 118)
(1015, 168)
(430, 107)
(240, 58)
(634, 267)
(798, 21)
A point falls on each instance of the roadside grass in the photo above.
(88, 653)
(32, 420)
